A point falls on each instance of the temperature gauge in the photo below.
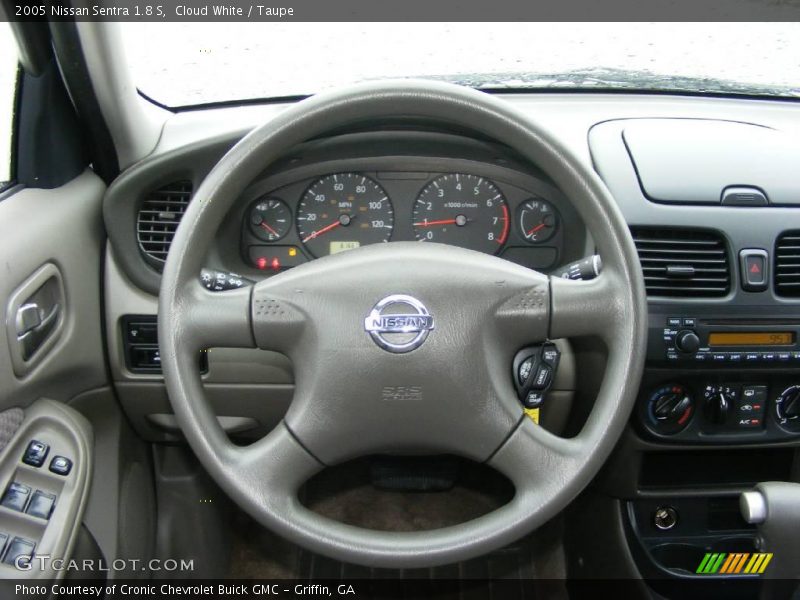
(270, 219)
(537, 220)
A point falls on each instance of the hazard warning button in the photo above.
(754, 264)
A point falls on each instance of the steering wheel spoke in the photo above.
(216, 319)
(583, 308)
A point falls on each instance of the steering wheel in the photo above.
(456, 315)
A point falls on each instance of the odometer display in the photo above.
(344, 211)
(462, 210)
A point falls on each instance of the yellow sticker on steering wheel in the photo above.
(533, 414)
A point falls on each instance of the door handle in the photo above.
(35, 316)
(32, 338)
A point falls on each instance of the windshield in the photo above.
(178, 64)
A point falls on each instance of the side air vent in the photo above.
(787, 264)
(683, 262)
(158, 218)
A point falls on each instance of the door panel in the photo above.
(50, 263)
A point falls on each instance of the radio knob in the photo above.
(687, 341)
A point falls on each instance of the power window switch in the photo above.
(16, 496)
(20, 552)
(35, 453)
(60, 465)
(41, 504)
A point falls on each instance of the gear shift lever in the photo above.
(775, 507)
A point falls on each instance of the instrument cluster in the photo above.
(336, 212)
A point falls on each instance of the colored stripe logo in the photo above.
(734, 563)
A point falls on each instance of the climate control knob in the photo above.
(687, 341)
(787, 408)
(720, 403)
(669, 409)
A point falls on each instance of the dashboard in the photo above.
(719, 406)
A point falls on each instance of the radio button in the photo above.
(735, 357)
(719, 357)
(768, 356)
(784, 356)
(701, 356)
(752, 357)
(674, 321)
(690, 322)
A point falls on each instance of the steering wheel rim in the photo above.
(501, 306)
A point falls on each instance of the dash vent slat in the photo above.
(682, 262)
(787, 264)
(158, 219)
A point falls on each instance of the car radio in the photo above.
(730, 342)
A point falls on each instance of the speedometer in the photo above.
(344, 211)
(462, 210)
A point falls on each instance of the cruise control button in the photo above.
(534, 399)
(550, 355)
(35, 453)
(542, 378)
(525, 370)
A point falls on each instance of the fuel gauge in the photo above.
(270, 219)
(537, 220)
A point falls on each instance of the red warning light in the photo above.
(275, 264)
(261, 262)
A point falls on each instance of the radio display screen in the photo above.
(751, 338)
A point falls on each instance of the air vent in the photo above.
(158, 219)
(787, 264)
(683, 262)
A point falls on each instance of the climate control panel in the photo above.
(711, 411)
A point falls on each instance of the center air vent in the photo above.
(683, 262)
(158, 218)
(787, 264)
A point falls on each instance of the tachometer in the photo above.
(462, 210)
(344, 211)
